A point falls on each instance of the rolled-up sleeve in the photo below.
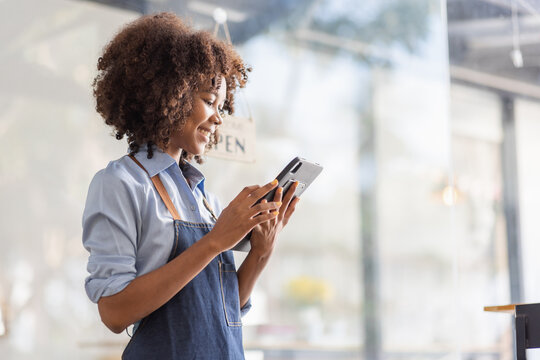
(245, 309)
(110, 223)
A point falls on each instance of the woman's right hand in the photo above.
(242, 215)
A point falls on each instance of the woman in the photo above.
(159, 245)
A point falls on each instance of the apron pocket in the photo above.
(228, 280)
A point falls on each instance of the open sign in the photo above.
(236, 140)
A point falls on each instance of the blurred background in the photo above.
(424, 113)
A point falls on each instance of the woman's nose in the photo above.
(218, 118)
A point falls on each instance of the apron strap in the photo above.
(161, 190)
(209, 208)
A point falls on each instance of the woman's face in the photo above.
(203, 121)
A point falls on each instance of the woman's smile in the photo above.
(201, 124)
(205, 133)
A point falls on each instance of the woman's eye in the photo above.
(210, 103)
(221, 112)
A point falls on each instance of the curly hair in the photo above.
(149, 72)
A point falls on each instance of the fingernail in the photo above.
(279, 190)
(278, 203)
(296, 183)
(264, 201)
(274, 182)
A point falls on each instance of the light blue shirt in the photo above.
(127, 229)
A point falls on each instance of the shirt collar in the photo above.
(195, 177)
(159, 161)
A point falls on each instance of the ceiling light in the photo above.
(208, 9)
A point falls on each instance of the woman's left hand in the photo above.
(264, 235)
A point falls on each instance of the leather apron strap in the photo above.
(161, 190)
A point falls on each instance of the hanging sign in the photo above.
(236, 134)
(236, 140)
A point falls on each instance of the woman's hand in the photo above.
(264, 235)
(150, 291)
(263, 239)
(243, 214)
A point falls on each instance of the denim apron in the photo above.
(202, 321)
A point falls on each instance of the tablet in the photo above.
(298, 169)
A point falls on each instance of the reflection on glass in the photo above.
(393, 251)
(449, 195)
